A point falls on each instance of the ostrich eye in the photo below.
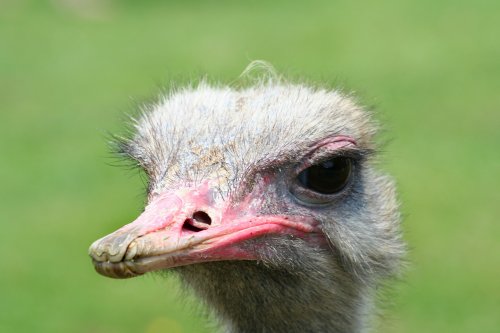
(328, 177)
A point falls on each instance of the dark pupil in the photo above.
(328, 177)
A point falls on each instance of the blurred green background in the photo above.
(70, 69)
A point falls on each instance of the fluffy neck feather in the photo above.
(313, 296)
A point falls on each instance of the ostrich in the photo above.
(266, 202)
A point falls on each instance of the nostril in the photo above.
(200, 221)
(202, 217)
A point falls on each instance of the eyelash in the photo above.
(356, 155)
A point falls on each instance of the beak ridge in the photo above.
(161, 213)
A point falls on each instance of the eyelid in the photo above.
(327, 151)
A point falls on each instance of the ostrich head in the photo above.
(265, 201)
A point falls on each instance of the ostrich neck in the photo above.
(250, 297)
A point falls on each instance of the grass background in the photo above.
(69, 69)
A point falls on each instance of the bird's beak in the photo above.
(186, 227)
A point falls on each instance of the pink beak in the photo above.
(186, 227)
